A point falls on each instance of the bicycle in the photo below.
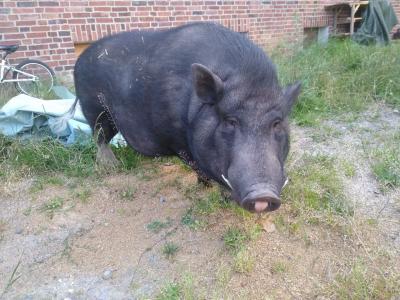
(31, 77)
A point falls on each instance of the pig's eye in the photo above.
(277, 124)
(231, 122)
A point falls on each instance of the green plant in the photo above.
(235, 239)
(171, 291)
(243, 262)
(278, 267)
(189, 220)
(170, 249)
(52, 206)
(386, 164)
(157, 226)
(127, 193)
(83, 195)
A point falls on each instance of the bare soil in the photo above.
(99, 247)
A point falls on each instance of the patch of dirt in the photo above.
(99, 246)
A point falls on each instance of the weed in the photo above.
(170, 249)
(128, 157)
(211, 203)
(278, 267)
(27, 212)
(13, 277)
(188, 287)
(235, 239)
(171, 291)
(243, 262)
(348, 168)
(83, 195)
(189, 220)
(127, 194)
(52, 206)
(386, 162)
(223, 275)
(253, 231)
(280, 222)
(157, 226)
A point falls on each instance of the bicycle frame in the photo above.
(5, 68)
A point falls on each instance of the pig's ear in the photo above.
(208, 86)
(290, 95)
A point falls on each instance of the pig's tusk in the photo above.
(227, 181)
(286, 182)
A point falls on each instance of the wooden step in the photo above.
(347, 21)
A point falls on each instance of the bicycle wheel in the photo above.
(37, 79)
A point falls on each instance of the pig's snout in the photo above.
(261, 198)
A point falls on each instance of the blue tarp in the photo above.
(25, 116)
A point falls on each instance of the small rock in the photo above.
(162, 199)
(107, 274)
(106, 224)
(396, 111)
(19, 230)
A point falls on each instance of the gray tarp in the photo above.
(378, 21)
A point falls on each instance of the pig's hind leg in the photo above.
(104, 129)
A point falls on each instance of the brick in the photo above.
(26, 4)
(49, 3)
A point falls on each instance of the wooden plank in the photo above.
(345, 4)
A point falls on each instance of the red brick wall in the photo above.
(48, 29)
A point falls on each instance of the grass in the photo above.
(361, 283)
(212, 202)
(243, 262)
(47, 157)
(340, 77)
(157, 226)
(7, 91)
(52, 206)
(316, 187)
(170, 249)
(278, 267)
(41, 181)
(386, 161)
(171, 291)
(83, 195)
(348, 168)
(183, 289)
(127, 193)
(235, 239)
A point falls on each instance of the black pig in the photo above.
(199, 91)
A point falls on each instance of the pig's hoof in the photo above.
(106, 158)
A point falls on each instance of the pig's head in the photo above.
(239, 133)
